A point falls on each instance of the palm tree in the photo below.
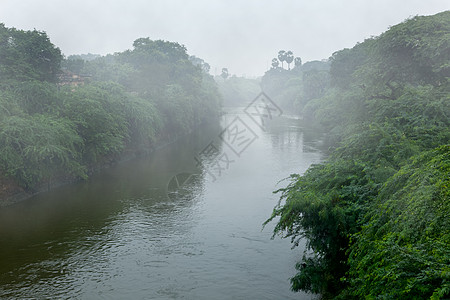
(275, 63)
(282, 56)
(224, 73)
(289, 57)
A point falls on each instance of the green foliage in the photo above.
(158, 64)
(144, 122)
(198, 62)
(108, 68)
(8, 105)
(27, 55)
(97, 111)
(122, 104)
(74, 65)
(178, 111)
(421, 112)
(37, 97)
(404, 250)
(415, 51)
(293, 89)
(345, 62)
(162, 73)
(323, 206)
(36, 148)
(375, 214)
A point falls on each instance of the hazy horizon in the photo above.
(241, 36)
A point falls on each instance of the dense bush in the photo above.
(55, 128)
(375, 213)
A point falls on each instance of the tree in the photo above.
(26, 55)
(74, 65)
(132, 100)
(155, 65)
(282, 56)
(196, 61)
(36, 96)
(206, 68)
(375, 213)
(403, 251)
(289, 57)
(98, 114)
(297, 62)
(275, 63)
(224, 73)
(37, 148)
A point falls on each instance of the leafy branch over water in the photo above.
(376, 213)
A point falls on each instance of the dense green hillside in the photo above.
(60, 119)
(376, 213)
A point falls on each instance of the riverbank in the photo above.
(54, 131)
(379, 204)
(12, 193)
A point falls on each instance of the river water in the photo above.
(182, 223)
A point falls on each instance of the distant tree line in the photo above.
(291, 89)
(285, 56)
(238, 91)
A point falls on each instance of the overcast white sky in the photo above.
(242, 35)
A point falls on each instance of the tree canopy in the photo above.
(27, 55)
(63, 118)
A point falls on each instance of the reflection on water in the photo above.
(161, 227)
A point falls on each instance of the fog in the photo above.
(140, 175)
(241, 35)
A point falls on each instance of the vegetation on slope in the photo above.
(292, 89)
(62, 118)
(375, 214)
(238, 91)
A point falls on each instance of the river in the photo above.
(183, 223)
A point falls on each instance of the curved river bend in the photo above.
(183, 223)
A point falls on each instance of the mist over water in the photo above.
(119, 235)
(145, 114)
